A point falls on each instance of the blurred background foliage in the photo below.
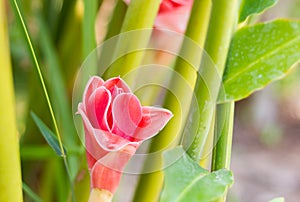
(267, 123)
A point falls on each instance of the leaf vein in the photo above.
(269, 53)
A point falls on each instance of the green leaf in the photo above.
(258, 55)
(279, 199)
(185, 180)
(47, 134)
(250, 7)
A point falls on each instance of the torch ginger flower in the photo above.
(115, 125)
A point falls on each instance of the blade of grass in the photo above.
(18, 13)
(31, 193)
(20, 18)
(36, 152)
(117, 19)
(89, 19)
(69, 63)
(150, 184)
(10, 175)
(66, 10)
(48, 134)
(59, 93)
(44, 152)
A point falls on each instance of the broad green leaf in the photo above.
(47, 134)
(250, 7)
(258, 55)
(279, 199)
(185, 180)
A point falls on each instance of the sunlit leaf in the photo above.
(47, 134)
(250, 7)
(185, 180)
(260, 54)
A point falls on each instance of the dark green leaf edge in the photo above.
(245, 15)
(47, 134)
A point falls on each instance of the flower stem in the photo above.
(223, 139)
(222, 23)
(223, 136)
(150, 184)
(10, 168)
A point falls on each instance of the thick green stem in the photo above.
(139, 16)
(223, 136)
(10, 169)
(223, 139)
(222, 22)
(150, 184)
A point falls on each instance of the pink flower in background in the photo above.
(173, 14)
(115, 125)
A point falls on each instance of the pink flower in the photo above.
(115, 125)
(173, 14)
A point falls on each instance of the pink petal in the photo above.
(106, 173)
(118, 84)
(97, 108)
(94, 150)
(127, 114)
(154, 119)
(171, 5)
(93, 83)
(101, 140)
(110, 141)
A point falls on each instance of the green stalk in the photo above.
(10, 168)
(223, 139)
(222, 25)
(222, 22)
(223, 136)
(140, 16)
(150, 184)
